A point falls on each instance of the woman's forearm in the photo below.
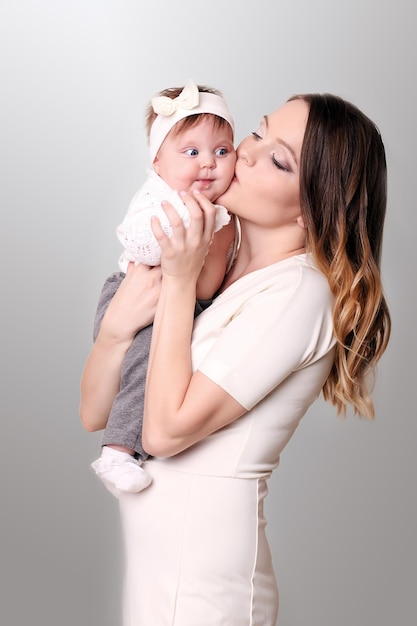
(169, 369)
(100, 381)
(131, 308)
(166, 416)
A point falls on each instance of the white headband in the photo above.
(171, 110)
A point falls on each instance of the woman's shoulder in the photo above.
(309, 272)
(294, 283)
(297, 272)
(288, 294)
(303, 282)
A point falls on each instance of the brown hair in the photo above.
(186, 122)
(343, 191)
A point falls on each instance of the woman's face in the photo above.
(266, 186)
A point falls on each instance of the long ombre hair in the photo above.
(343, 186)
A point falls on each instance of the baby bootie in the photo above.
(121, 470)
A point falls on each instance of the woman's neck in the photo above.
(261, 247)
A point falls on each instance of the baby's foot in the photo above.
(121, 470)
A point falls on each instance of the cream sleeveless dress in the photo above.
(196, 548)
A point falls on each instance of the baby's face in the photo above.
(201, 157)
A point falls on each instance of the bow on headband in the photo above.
(169, 111)
(188, 99)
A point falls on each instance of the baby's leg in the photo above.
(124, 449)
(122, 440)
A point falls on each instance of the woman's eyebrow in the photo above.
(282, 142)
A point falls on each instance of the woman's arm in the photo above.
(181, 407)
(100, 380)
(131, 309)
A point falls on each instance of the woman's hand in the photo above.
(184, 252)
(134, 303)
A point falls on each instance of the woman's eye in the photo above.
(256, 135)
(192, 152)
(279, 165)
(221, 151)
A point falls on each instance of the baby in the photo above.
(190, 133)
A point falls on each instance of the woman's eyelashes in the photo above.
(279, 164)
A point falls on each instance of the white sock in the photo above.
(112, 453)
(121, 470)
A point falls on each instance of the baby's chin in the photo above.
(223, 196)
(210, 193)
(216, 198)
(219, 199)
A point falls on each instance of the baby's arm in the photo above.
(214, 268)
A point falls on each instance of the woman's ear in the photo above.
(300, 221)
(155, 165)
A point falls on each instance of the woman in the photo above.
(300, 312)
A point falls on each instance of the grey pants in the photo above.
(124, 426)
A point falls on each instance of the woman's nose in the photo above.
(245, 152)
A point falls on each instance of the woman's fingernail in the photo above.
(183, 193)
(196, 192)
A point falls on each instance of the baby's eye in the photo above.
(221, 151)
(192, 152)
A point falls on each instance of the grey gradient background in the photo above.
(75, 77)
